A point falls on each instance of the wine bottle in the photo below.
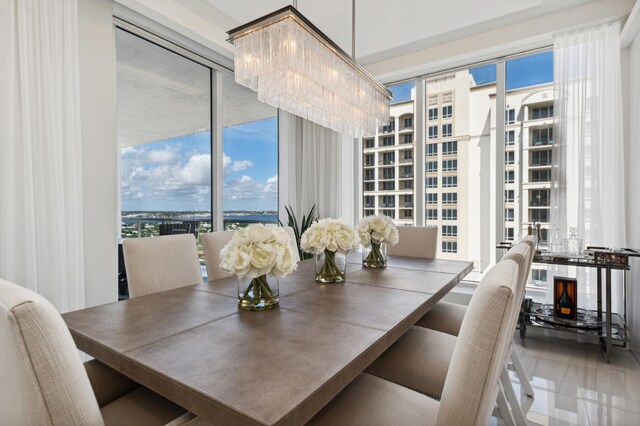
(565, 304)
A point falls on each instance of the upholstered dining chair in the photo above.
(447, 317)
(415, 241)
(45, 383)
(161, 263)
(471, 385)
(420, 359)
(212, 243)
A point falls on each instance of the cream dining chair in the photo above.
(45, 383)
(471, 385)
(415, 241)
(212, 243)
(420, 359)
(447, 317)
(161, 263)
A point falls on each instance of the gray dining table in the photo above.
(195, 347)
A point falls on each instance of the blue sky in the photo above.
(402, 92)
(175, 174)
(521, 72)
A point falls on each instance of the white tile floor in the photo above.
(574, 385)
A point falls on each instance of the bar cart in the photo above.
(609, 327)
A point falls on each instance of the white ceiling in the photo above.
(385, 29)
(162, 95)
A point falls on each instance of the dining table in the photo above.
(196, 347)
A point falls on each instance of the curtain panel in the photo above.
(40, 150)
(316, 167)
(588, 185)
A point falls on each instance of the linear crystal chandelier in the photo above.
(292, 65)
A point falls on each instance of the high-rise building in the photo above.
(460, 127)
(388, 167)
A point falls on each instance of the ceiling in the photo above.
(162, 95)
(386, 29)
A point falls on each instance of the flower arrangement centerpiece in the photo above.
(253, 254)
(330, 240)
(375, 233)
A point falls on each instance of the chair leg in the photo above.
(510, 395)
(524, 380)
(503, 407)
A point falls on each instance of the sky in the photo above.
(520, 72)
(175, 174)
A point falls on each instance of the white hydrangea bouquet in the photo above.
(376, 232)
(252, 254)
(330, 240)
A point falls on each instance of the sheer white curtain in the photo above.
(588, 161)
(316, 167)
(40, 150)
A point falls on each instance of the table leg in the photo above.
(607, 354)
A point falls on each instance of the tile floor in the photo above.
(574, 385)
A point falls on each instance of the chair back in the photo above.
(212, 243)
(415, 241)
(471, 386)
(294, 243)
(43, 379)
(161, 263)
(521, 254)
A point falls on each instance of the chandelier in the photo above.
(292, 65)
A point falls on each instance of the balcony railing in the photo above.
(406, 175)
(406, 160)
(386, 162)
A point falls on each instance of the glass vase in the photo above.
(257, 294)
(374, 255)
(330, 267)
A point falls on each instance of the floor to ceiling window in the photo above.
(165, 116)
(529, 138)
(461, 150)
(164, 135)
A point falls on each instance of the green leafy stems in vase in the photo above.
(376, 255)
(332, 269)
(258, 294)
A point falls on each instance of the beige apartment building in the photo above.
(460, 131)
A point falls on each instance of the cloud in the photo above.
(230, 166)
(173, 178)
(272, 184)
(197, 171)
(164, 156)
(239, 166)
